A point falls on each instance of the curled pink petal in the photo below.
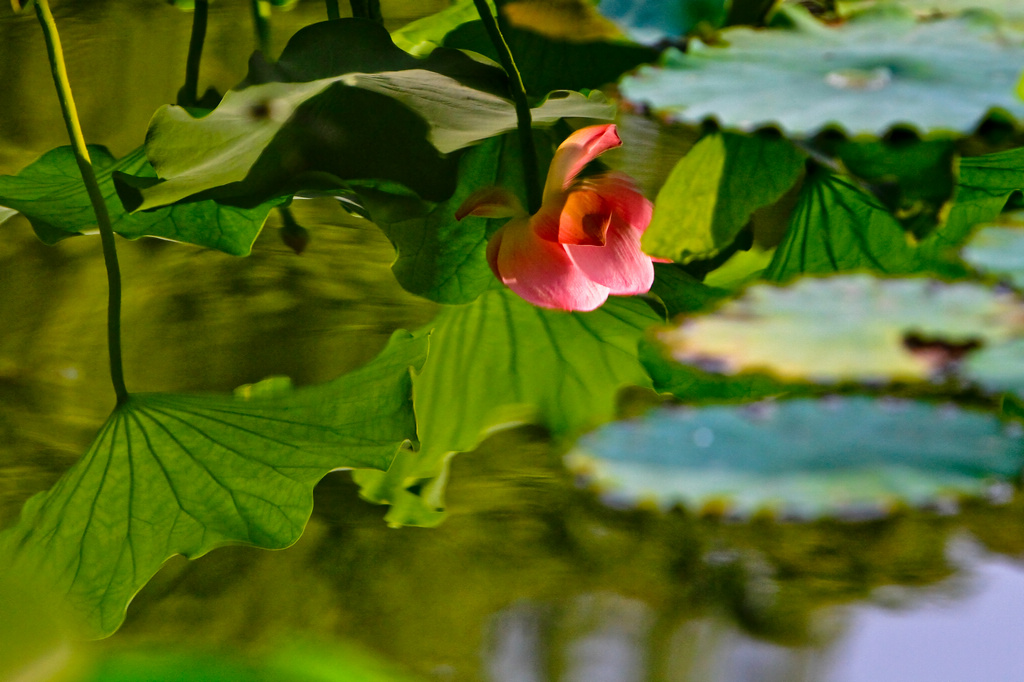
(619, 265)
(624, 198)
(583, 219)
(491, 202)
(574, 153)
(542, 273)
(493, 246)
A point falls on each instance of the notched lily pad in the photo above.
(848, 328)
(801, 458)
(998, 249)
(876, 71)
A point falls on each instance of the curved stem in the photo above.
(332, 10)
(367, 9)
(99, 206)
(189, 94)
(261, 23)
(524, 120)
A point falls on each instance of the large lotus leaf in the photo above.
(439, 257)
(873, 72)
(802, 458)
(713, 190)
(50, 193)
(690, 384)
(837, 226)
(184, 474)
(848, 328)
(500, 361)
(914, 179)
(547, 62)
(342, 103)
(423, 35)
(680, 292)
(986, 184)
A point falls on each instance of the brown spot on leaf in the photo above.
(942, 355)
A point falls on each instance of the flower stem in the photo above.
(188, 96)
(518, 91)
(332, 10)
(99, 206)
(261, 22)
(367, 9)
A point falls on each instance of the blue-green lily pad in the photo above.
(801, 458)
(998, 249)
(848, 328)
(875, 71)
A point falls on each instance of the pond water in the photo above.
(530, 578)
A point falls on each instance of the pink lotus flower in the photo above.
(584, 242)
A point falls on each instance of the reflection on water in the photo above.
(530, 579)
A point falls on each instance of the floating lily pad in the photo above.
(801, 458)
(998, 249)
(871, 73)
(1009, 10)
(181, 474)
(848, 328)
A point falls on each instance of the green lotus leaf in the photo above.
(547, 63)
(342, 103)
(801, 458)
(498, 362)
(680, 292)
(713, 190)
(913, 179)
(439, 257)
(998, 249)
(837, 226)
(423, 35)
(184, 474)
(848, 328)
(863, 77)
(50, 193)
(690, 384)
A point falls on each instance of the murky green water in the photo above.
(530, 578)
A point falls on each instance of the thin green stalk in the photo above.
(188, 96)
(332, 10)
(261, 22)
(524, 120)
(367, 9)
(67, 105)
